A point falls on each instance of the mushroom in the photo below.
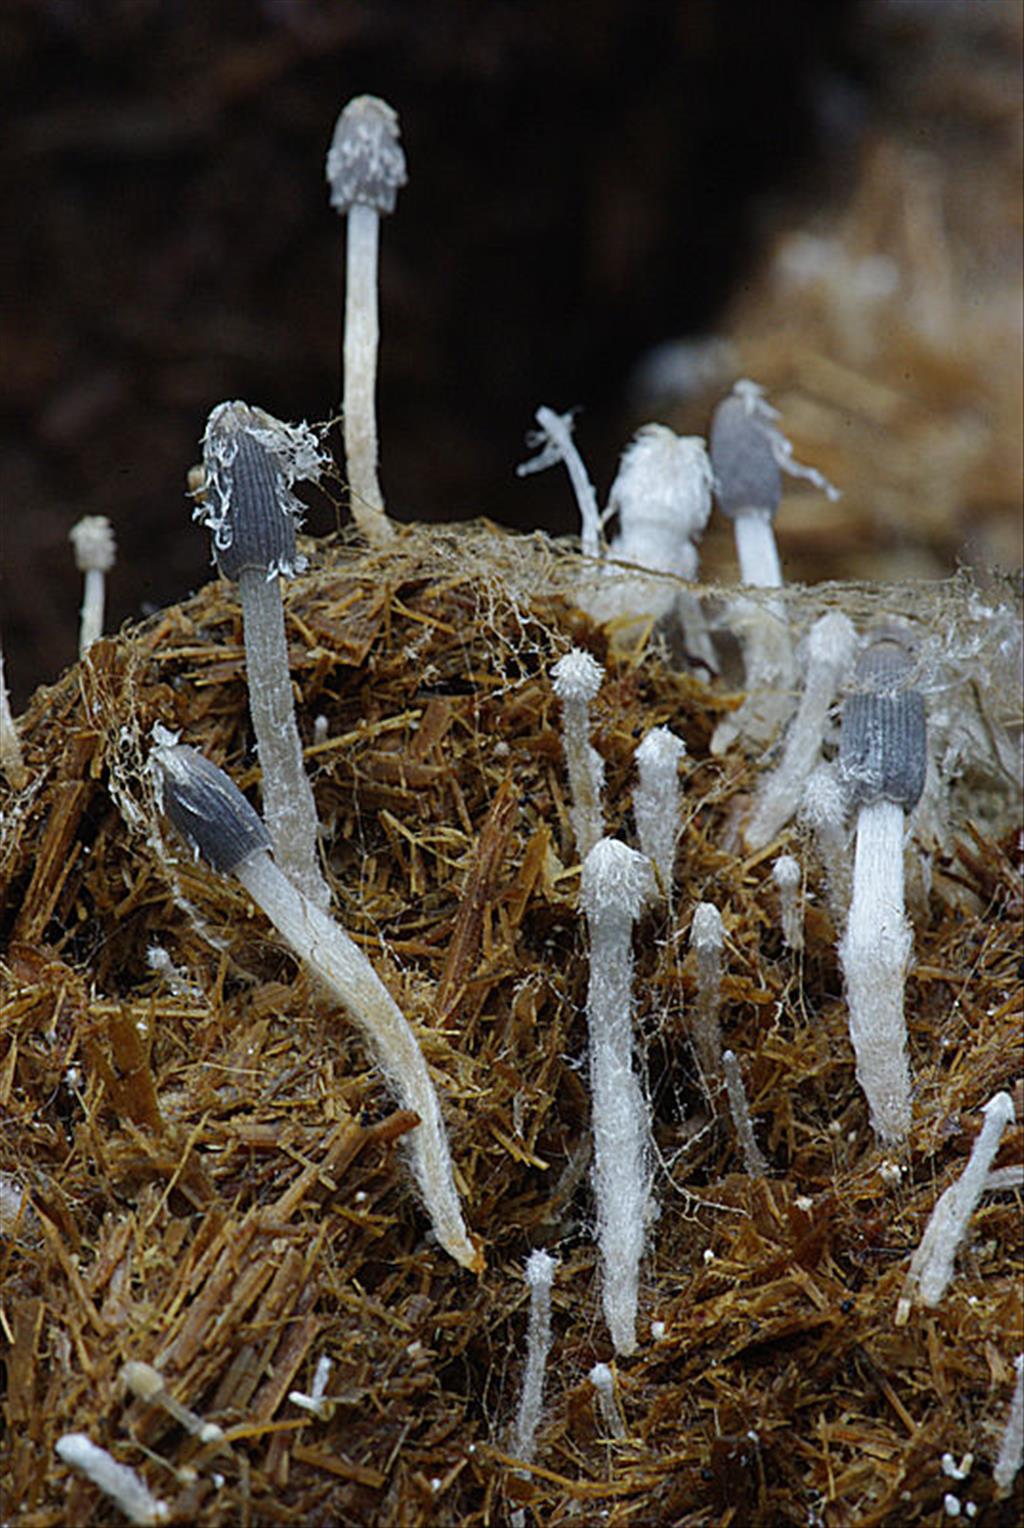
(365, 168)
(616, 882)
(553, 443)
(656, 802)
(210, 813)
(748, 455)
(707, 940)
(577, 678)
(95, 549)
(787, 877)
(540, 1273)
(831, 644)
(882, 761)
(252, 461)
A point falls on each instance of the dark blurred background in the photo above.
(585, 182)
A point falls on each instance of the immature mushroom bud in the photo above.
(365, 168)
(95, 549)
(882, 761)
(576, 680)
(603, 1381)
(211, 813)
(127, 1490)
(823, 809)
(931, 1266)
(739, 1108)
(616, 882)
(830, 648)
(540, 1273)
(707, 939)
(656, 802)
(553, 443)
(252, 461)
(787, 877)
(662, 496)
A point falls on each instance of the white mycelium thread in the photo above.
(616, 882)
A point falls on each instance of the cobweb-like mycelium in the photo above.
(204, 1170)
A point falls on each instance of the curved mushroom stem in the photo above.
(288, 804)
(345, 970)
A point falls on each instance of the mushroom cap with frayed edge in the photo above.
(250, 462)
(205, 805)
(616, 882)
(883, 737)
(747, 473)
(365, 163)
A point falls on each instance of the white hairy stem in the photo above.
(822, 808)
(122, 1485)
(93, 606)
(540, 1272)
(603, 1381)
(931, 1266)
(830, 650)
(756, 549)
(656, 804)
(707, 938)
(289, 808)
(349, 976)
(557, 429)
(616, 881)
(1011, 1449)
(577, 678)
(359, 407)
(874, 954)
(787, 877)
(739, 1108)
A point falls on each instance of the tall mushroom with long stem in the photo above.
(210, 812)
(252, 461)
(365, 168)
(749, 453)
(882, 763)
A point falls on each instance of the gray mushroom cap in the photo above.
(883, 742)
(365, 163)
(747, 474)
(206, 807)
